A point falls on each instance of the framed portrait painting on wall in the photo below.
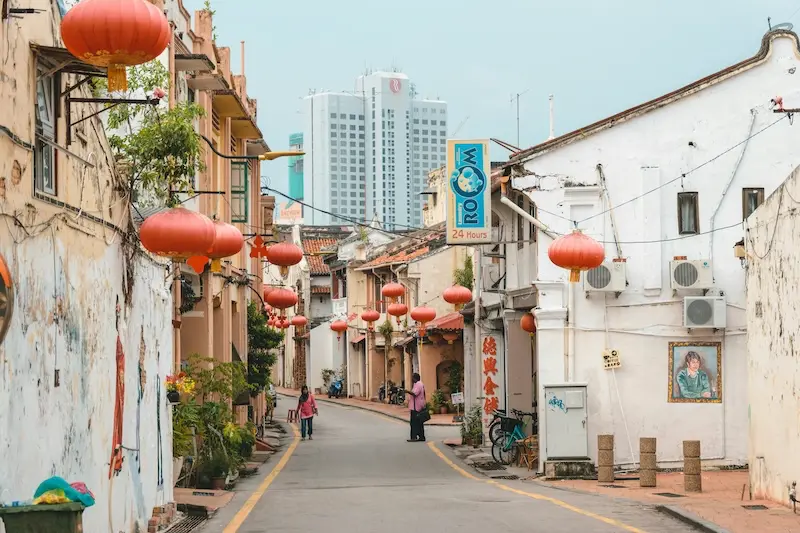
(695, 372)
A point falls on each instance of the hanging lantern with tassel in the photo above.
(370, 316)
(422, 315)
(115, 34)
(576, 252)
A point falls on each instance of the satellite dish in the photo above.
(783, 26)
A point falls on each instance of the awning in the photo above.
(448, 322)
(228, 104)
(62, 61)
(404, 341)
(245, 129)
(193, 63)
(257, 147)
(207, 82)
(358, 339)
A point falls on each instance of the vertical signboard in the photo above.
(469, 192)
(492, 379)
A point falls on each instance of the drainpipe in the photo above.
(727, 187)
(570, 351)
(527, 216)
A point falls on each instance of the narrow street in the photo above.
(360, 475)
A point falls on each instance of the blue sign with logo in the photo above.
(470, 191)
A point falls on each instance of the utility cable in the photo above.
(683, 175)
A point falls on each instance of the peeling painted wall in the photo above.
(773, 308)
(65, 321)
(651, 152)
(70, 270)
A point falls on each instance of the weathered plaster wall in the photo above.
(773, 293)
(650, 152)
(65, 322)
(70, 272)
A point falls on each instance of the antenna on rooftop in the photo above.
(786, 26)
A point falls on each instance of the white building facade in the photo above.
(773, 292)
(665, 186)
(368, 153)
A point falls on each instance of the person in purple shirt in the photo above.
(417, 406)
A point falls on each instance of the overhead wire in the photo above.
(684, 174)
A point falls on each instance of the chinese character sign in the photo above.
(492, 378)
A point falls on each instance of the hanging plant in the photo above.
(188, 297)
(158, 146)
(386, 329)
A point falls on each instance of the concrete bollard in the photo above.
(605, 458)
(647, 462)
(692, 480)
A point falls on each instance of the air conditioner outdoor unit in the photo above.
(608, 277)
(691, 274)
(704, 312)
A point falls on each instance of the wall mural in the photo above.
(6, 298)
(695, 372)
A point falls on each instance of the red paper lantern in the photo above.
(229, 241)
(576, 252)
(283, 322)
(115, 34)
(423, 315)
(457, 295)
(284, 254)
(282, 298)
(339, 326)
(370, 316)
(178, 233)
(267, 289)
(528, 323)
(299, 321)
(450, 336)
(391, 291)
(271, 321)
(397, 310)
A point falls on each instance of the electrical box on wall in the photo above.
(704, 312)
(696, 274)
(608, 277)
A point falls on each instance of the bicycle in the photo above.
(506, 450)
(496, 432)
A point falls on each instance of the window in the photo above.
(520, 223)
(44, 156)
(751, 199)
(239, 192)
(688, 215)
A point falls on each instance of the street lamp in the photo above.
(270, 156)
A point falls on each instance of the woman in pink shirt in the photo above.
(306, 408)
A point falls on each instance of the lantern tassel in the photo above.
(117, 78)
(574, 276)
(216, 265)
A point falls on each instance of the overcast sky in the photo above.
(597, 58)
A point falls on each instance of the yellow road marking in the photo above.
(251, 502)
(554, 501)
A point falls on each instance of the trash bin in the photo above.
(62, 517)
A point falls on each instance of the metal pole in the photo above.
(518, 95)
(386, 368)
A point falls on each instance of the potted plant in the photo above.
(439, 401)
(177, 385)
(216, 467)
(472, 428)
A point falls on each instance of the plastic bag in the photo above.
(51, 497)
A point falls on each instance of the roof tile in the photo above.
(314, 256)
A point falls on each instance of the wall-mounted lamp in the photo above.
(739, 252)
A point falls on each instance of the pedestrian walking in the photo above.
(306, 409)
(419, 413)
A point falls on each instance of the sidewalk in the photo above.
(392, 411)
(720, 502)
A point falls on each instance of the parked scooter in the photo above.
(397, 395)
(336, 388)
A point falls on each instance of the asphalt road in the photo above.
(359, 475)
